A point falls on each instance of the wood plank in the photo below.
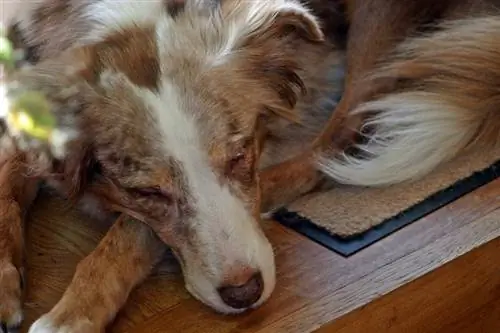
(462, 296)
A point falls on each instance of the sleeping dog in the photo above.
(173, 107)
(195, 116)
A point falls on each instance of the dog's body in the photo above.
(183, 113)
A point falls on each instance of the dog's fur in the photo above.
(184, 111)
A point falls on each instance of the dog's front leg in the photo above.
(16, 194)
(284, 182)
(104, 280)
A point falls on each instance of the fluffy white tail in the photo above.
(450, 100)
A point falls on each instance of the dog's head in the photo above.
(174, 118)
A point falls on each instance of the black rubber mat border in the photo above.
(349, 246)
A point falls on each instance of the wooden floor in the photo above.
(426, 288)
(461, 297)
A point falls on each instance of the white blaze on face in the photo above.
(224, 237)
(224, 232)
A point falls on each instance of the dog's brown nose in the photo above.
(245, 295)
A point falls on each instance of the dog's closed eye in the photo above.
(152, 192)
(155, 190)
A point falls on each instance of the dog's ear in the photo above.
(292, 16)
(279, 17)
(275, 37)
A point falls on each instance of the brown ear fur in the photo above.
(303, 23)
(279, 54)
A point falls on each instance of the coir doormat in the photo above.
(347, 219)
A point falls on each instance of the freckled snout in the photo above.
(228, 263)
(242, 296)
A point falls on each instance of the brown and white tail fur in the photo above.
(446, 100)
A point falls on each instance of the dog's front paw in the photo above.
(63, 323)
(11, 285)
